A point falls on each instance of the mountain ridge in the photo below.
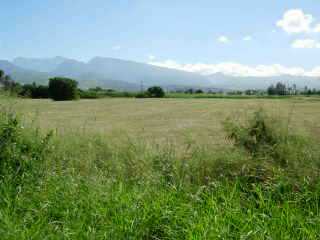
(130, 75)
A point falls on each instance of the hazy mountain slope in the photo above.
(39, 64)
(90, 78)
(22, 75)
(241, 83)
(104, 69)
(148, 74)
(129, 75)
(74, 69)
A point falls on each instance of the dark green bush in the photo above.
(152, 92)
(89, 94)
(142, 95)
(61, 89)
(94, 93)
(155, 92)
(34, 91)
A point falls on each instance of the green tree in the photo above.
(189, 91)
(8, 84)
(1, 74)
(61, 89)
(279, 89)
(199, 91)
(155, 92)
(271, 90)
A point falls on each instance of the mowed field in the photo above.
(174, 120)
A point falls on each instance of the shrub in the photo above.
(142, 95)
(155, 92)
(34, 91)
(89, 94)
(63, 89)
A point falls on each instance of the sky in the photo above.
(247, 37)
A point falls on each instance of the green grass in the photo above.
(224, 96)
(162, 120)
(88, 184)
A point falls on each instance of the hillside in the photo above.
(129, 75)
(242, 83)
(105, 72)
(23, 75)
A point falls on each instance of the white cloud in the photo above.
(317, 28)
(306, 43)
(240, 70)
(151, 57)
(247, 38)
(295, 21)
(223, 39)
(315, 72)
(116, 48)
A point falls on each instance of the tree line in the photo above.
(282, 90)
(61, 89)
(58, 88)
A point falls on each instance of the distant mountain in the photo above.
(130, 76)
(104, 72)
(242, 83)
(23, 75)
(39, 64)
(105, 69)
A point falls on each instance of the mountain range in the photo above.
(128, 75)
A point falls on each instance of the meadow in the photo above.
(158, 119)
(160, 169)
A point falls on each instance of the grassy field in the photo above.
(173, 119)
(160, 169)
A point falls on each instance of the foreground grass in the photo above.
(76, 208)
(85, 186)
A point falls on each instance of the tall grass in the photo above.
(264, 185)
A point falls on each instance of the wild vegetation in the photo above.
(82, 185)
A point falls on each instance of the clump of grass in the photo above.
(256, 136)
(273, 148)
(21, 151)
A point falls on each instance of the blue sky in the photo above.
(167, 32)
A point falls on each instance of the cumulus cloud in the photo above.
(296, 21)
(239, 70)
(306, 43)
(223, 39)
(247, 38)
(151, 57)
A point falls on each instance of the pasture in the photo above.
(160, 169)
(159, 119)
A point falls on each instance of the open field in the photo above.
(160, 169)
(157, 119)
